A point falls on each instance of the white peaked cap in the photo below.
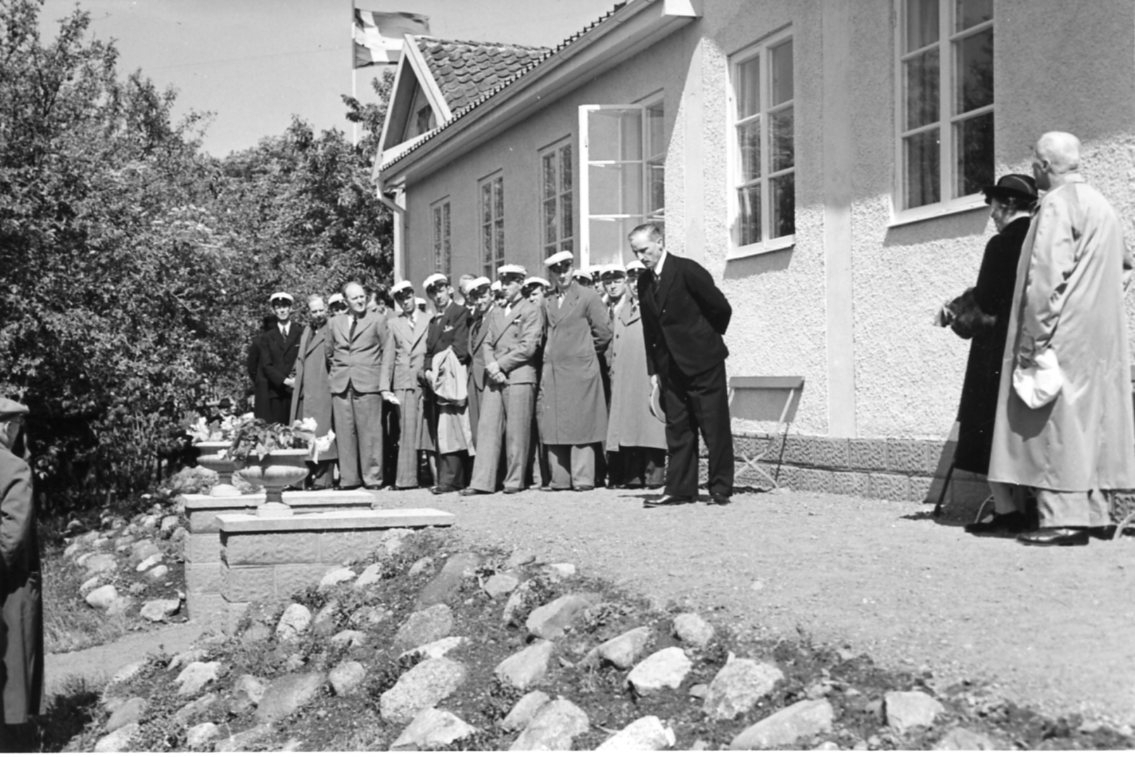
(419, 302)
(512, 270)
(495, 286)
(434, 278)
(537, 280)
(613, 269)
(559, 257)
(281, 296)
(401, 286)
(635, 265)
(335, 297)
(477, 283)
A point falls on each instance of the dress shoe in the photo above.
(669, 500)
(469, 491)
(583, 488)
(1011, 523)
(1055, 537)
(718, 499)
(512, 490)
(442, 489)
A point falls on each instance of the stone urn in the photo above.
(275, 471)
(210, 455)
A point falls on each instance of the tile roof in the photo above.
(465, 70)
(491, 91)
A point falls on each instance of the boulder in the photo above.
(421, 566)
(524, 710)
(102, 598)
(119, 606)
(424, 626)
(739, 685)
(665, 669)
(439, 648)
(100, 563)
(369, 616)
(195, 709)
(558, 571)
(624, 649)
(325, 621)
(130, 711)
(552, 620)
(692, 629)
(168, 525)
(90, 585)
(182, 659)
(148, 563)
(287, 694)
(527, 667)
(157, 610)
(372, 574)
(143, 549)
(195, 675)
(910, 709)
(520, 557)
(157, 573)
(432, 729)
(500, 584)
(346, 677)
(246, 694)
(201, 734)
(552, 728)
(960, 739)
(511, 614)
(333, 578)
(118, 741)
(808, 717)
(646, 734)
(422, 686)
(446, 584)
(179, 534)
(293, 623)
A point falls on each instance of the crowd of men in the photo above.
(510, 384)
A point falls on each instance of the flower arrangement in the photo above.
(220, 429)
(255, 438)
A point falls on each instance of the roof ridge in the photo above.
(482, 43)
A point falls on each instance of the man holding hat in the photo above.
(311, 395)
(21, 602)
(571, 410)
(402, 361)
(278, 351)
(513, 336)
(445, 426)
(478, 298)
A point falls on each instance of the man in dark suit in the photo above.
(449, 329)
(684, 316)
(256, 371)
(278, 350)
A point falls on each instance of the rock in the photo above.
(101, 542)
(395, 541)
(500, 584)
(127, 671)
(963, 739)
(102, 598)
(88, 538)
(148, 563)
(72, 549)
(179, 534)
(524, 710)
(520, 557)
(910, 709)
(527, 667)
(445, 585)
(287, 694)
(136, 588)
(130, 711)
(256, 632)
(369, 617)
(246, 694)
(809, 717)
(294, 662)
(643, 735)
(157, 573)
(700, 745)
(350, 638)
(195, 709)
(335, 577)
(422, 686)
(184, 658)
(123, 543)
(435, 649)
(432, 728)
(157, 610)
(511, 613)
(698, 691)
(90, 585)
(195, 675)
(552, 620)
(201, 734)
(552, 728)
(118, 741)
(119, 606)
(624, 649)
(100, 563)
(143, 549)
(346, 677)
(421, 566)
(818, 690)
(739, 685)
(372, 574)
(424, 626)
(148, 522)
(253, 738)
(692, 629)
(293, 623)
(558, 571)
(665, 669)
(826, 746)
(324, 623)
(168, 525)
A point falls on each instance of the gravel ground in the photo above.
(1046, 627)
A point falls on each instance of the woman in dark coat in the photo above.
(981, 314)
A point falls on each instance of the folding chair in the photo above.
(766, 400)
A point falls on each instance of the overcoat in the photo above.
(570, 406)
(478, 328)
(1069, 296)
(311, 396)
(993, 294)
(447, 329)
(257, 377)
(631, 423)
(277, 361)
(21, 610)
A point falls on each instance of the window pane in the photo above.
(548, 169)
(973, 146)
(969, 13)
(921, 161)
(749, 144)
(565, 168)
(654, 132)
(783, 195)
(780, 124)
(551, 228)
(498, 198)
(569, 215)
(921, 89)
(749, 215)
(615, 134)
(487, 245)
(617, 189)
(486, 202)
(781, 56)
(975, 71)
(748, 87)
(608, 239)
(500, 241)
(656, 200)
(921, 23)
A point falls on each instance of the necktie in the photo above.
(354, 322)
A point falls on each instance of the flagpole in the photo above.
(354, 78)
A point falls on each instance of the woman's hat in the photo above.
(1012, 185)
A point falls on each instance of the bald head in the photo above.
(1057, 153)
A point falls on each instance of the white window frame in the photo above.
(491, 259)
(583, 179)
(760, 49)
(947, 69)
(565, 239)
(441, 226)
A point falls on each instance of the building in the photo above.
(822, 158)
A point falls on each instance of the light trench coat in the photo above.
(311, 397)
(1069, 296)
(631, 423)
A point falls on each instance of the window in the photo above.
(623, 167)
(556, 193)
(763, 145)
(443, 249)
(945, 100)
(492, 224)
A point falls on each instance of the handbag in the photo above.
(1039, 384)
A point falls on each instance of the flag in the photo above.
(378, 36)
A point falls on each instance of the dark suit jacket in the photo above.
(450, 328)
(278, 358)
(21, 603)
(683, 318)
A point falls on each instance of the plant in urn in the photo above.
(213, 440)
(275, 457)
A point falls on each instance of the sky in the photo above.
(255, 63)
